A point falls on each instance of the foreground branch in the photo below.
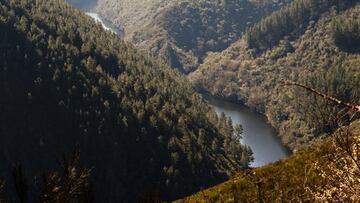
(332, 99)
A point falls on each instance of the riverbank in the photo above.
(106, 24)
(258, 110)
(258, 133)
(300, 178)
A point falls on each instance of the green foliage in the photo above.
(279, 182)
(346, 33)
(183, 32)
(290, 21)
(300, 178)
(72, 185)
(339, 82)
(64, 81)
(257, 76)
(282, 50)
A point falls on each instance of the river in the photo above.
(258, 134)
(97, 19)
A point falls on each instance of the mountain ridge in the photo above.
(182, 32)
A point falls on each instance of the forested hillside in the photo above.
(183, 32)
(310, 42)
(66, 83)
(328, 171)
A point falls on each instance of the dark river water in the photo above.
(258, 134)
(84, 5)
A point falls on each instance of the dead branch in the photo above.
(327, 97)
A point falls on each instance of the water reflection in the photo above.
(258, 134)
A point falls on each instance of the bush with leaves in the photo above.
(71, 185)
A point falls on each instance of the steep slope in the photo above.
(182, 32)
(321, 173)
(301, 43)
(65, 82)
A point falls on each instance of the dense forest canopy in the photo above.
(346, 33)
(291, 21)
(139, 125)
(182, 32)
(309, 41)
(138, 129)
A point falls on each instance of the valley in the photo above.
(155, 101)
(183, 32)
(136, 125)
(258, 134)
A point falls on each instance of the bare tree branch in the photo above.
(332, 99)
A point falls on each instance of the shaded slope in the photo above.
(66, 82)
